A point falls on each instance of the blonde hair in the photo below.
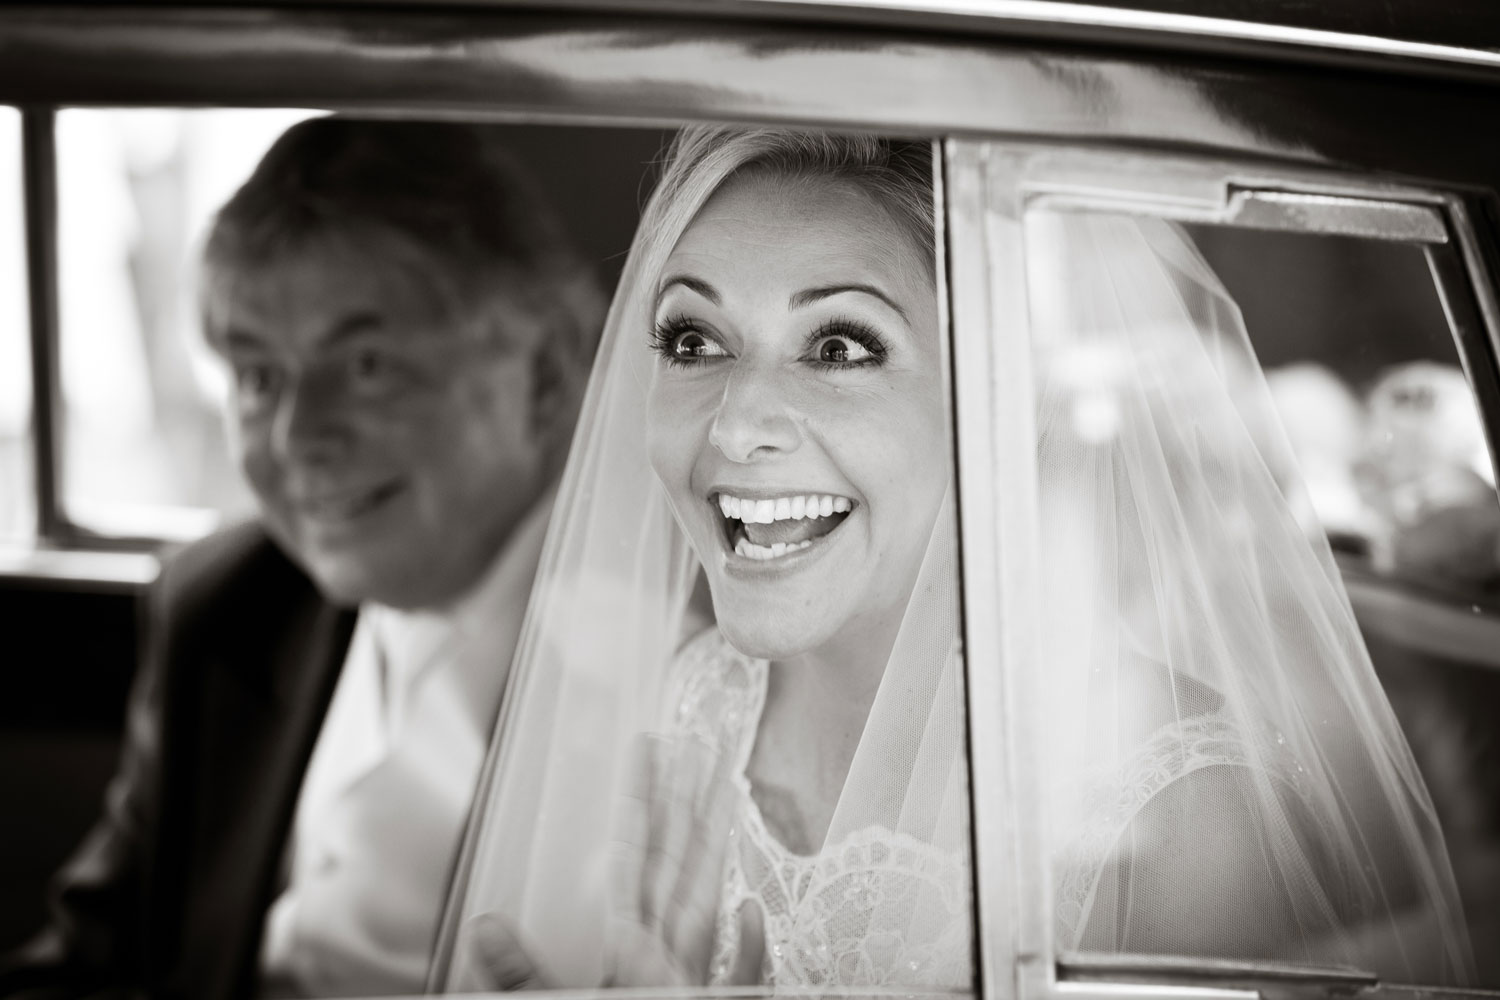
(897, 174)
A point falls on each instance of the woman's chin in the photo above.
(770, 636)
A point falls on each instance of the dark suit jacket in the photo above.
(167, 894)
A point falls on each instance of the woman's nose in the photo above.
(753, 420)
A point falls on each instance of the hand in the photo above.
(667, 863)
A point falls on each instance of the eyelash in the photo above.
(664, 334)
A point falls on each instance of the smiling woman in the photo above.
(800, 358)
(766, 424)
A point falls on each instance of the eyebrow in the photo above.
(799, 300)
(808, 296)
(698, 285)
(349, 328)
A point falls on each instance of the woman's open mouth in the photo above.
(776, 527)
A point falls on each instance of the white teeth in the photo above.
(750, 550)
(783, 508)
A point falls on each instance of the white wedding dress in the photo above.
(879, 908)
(875, 908)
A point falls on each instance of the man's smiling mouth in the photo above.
(346, 505)
(778, 526)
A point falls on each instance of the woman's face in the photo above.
(796, 415)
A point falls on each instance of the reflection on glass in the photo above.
(752, 560)
(1227, 777)
(143, 448)
(17, 493)
(1394, 467)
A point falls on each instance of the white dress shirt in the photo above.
(389, 786)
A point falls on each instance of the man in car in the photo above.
(409, 332)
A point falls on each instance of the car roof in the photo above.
(1464, 32)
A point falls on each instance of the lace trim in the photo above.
(1171, 753)
(876, 908)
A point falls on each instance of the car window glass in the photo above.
(1396, 466)
(1245, 436)
(143, 448)
(17, 509)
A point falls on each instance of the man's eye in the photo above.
(254, 382)
(369, 365)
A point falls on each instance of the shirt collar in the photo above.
(412, 640)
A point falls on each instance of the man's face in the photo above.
(391, 450)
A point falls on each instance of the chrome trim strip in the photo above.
(1194, 26)
(1201, 972)
(997, 498)
(1336, 215)
(1148, 991)
(78, 569)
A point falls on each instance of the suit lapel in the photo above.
(262, 707)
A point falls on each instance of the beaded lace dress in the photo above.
(885, 909)
(876, 908)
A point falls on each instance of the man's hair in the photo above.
(443, 200)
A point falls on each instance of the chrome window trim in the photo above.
(76, 569)
(39, 207)
(1153, 24)
(987, 292)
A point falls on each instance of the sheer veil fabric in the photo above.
(612, 606)
(1209, 699)
(1228, 777)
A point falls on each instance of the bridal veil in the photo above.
(1210, 707)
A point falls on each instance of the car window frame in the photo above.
(992, 185)
(521, 65)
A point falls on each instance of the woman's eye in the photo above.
(846, 350)
(682, 344)
(839, 350)
(693, 345)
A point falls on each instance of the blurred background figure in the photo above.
(1425, 470)
(1325, 425)
(408, 329)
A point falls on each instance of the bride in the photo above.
(767, 424)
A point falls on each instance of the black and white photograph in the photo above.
(676, 499)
